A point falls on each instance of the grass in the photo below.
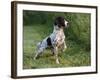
(74, 55)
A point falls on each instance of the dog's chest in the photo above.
(58, 37)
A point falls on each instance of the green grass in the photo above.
(75, 55)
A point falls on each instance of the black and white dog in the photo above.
(55, 40)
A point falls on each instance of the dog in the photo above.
(55, 40)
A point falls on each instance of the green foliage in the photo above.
(38, 25)
(79, 30)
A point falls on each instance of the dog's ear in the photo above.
(59, 21)
(56, 22)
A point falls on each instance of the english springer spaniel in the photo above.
(55, 40)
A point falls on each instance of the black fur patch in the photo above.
(49, 41)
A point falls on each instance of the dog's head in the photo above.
(60, 22)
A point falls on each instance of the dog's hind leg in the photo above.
(38, 53)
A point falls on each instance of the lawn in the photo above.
(74, 56)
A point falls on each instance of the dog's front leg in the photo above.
(56, 54)
(64, 46)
